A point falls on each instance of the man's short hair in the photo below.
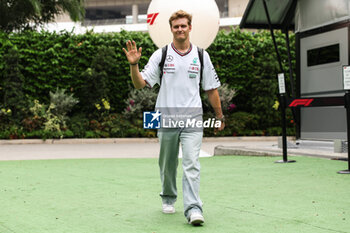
(180, 14)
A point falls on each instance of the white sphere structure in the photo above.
(205, 20)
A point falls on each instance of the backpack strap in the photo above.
(200, 55)
(162, 61)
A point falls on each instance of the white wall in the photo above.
(236, 8)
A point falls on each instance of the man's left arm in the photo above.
(214, 100)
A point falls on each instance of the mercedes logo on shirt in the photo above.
(169, 58)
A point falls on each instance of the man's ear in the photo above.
(190, 27)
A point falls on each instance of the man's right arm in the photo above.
(136, 77)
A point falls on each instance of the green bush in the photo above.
(51, 119)
(226, 96)
(12, 84)
(247, 62)
(94, 69)
(139, 101)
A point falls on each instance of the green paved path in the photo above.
(240, 194)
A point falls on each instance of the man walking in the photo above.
(180, 80)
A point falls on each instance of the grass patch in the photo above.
(240, 194)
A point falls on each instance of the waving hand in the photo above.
(132, 53)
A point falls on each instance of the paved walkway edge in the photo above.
(227, 150)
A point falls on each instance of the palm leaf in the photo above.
(36, 4)
(75, 8)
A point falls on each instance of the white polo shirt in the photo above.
(179, 87)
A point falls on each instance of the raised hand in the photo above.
(132, 53)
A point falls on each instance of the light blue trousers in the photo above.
(191, 142)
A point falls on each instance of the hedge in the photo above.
(92, 67)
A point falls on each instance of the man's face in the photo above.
(180, 29)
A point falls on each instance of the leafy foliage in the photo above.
(247, 62)
(12, 83)
(140, 101)
(96, 85)
(94, 69)
(51, 119)
(24, 14)
(60, 104)
(226, 96)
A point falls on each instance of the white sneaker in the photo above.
(196, 219)
(168, 209)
